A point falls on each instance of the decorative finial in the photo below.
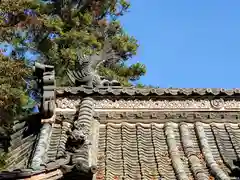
(87, 70)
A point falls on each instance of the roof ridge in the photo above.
(134, 91)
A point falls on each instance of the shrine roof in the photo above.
(133, 91)
(150, 149)
(168, 150)
(141, 139)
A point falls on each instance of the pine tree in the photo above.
(57, 30)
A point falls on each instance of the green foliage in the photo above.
(123, 73)
(83, 28)
(140, 85)
(12, 93)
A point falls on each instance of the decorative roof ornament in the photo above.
(217, 103)
(46, 83)
(87, 68)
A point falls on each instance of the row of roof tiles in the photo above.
(171, 151)
(132, 91)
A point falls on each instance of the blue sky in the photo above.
(186, 43)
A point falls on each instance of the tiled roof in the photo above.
(58, 137)
(169, 150)
(22, 142)
(132, 91)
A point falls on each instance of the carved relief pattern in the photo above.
(231, 104)
(70, 103)
(215, 104)
(167, 104)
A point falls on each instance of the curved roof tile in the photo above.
(169, 150)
